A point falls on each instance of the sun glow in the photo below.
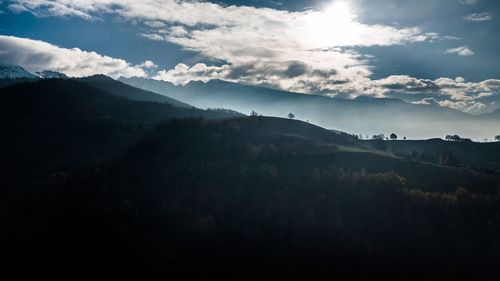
(334, 24)
(339, 12)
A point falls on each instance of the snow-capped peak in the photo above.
(9, 71)
(49, 74)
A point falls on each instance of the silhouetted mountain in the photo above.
(54, 124)
(117, 88)
(362, 115)
(12, 75)
(9, 82)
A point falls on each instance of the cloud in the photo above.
(465, 106)
(479, 17)
(148, 64)
(47, 8)
(461, 51)
(182, 74)
(446, 92)
(37, 55)
(406, 83)
(453, 93)
(469, 107)
(306, 51)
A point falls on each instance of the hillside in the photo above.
(102, 184)
(309, 147)
(483, 157)
(54, 125)
(217, 198)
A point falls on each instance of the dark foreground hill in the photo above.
(54, 125)
(257, 198)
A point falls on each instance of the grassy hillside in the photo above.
(309, 147)
(481, 157)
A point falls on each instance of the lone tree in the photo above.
(291, 115)
(394, 136)
(497, 138)
(254, 114)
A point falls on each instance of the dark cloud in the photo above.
(296, 69)
(237, 72)
(291, 69)
(324, 74)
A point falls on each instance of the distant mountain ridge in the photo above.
(363, 115)
(124, 90)
(14, 74)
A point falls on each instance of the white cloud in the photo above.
(470, 107)
(453, 93)
(258, 43)
(37, 55)
(461, 51)
(48, 8)
(154, 37)
(182, 73)
(479, 17)
(148, 64)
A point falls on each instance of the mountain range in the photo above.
(363, 115)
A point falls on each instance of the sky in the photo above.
(426, 52)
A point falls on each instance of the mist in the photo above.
(363, 117)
